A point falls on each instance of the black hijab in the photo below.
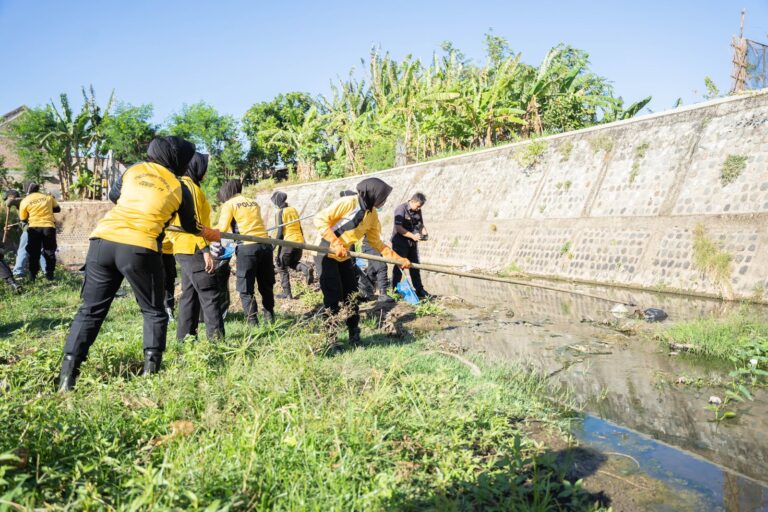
(373, 191)
(197, 167)
(32, 188)
(173, 153)
(229, 190)
(279, 199)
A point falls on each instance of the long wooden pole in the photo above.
(5, 227)
(419, 266)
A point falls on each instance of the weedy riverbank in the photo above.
(264, 421)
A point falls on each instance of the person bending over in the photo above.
(289, 228)
(199, 289)
(126, 244)
(341, 225)
(241, 214)
(37, 211)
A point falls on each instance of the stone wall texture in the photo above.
(639, 203)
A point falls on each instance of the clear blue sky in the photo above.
(232, 53)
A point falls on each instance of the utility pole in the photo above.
(739, 70)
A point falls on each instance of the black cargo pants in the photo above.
(199, 289)
(106, 264)
(255, 266)
(41, 239)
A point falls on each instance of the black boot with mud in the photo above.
(153, 359)
(354, 336)
(70, 370)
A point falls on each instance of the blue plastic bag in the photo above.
(405, 289)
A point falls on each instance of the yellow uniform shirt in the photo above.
(291, 229)
(38, 208)
(242, 215)
(187, 243)
(149, 197)
(351, 223)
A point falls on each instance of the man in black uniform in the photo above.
(408, 231)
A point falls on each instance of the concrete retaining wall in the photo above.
(618, 203)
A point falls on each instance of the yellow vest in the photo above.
(149, 198)
(186, 243)
(291, 232)
(246, 213)
(340, 214)
(38, 209)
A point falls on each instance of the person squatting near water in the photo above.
(199, 290)
(289, 228)
(36, 210)
(341, 225)
(12, 199)
(407, 232)
(254, 265)
(126, 243)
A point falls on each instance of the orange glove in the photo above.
(387, 252)
(336, 245)
(210, 234)
(339, 249)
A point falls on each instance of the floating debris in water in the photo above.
(654, 315)
(620, 311)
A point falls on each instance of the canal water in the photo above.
(625, 383)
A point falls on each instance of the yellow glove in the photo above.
(388, 253)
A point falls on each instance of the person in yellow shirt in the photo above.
(341, 225)
(37, 211)
(126, 244)
(254, 265)
(199, 289)
(289, 228)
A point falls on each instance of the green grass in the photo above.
(261, 422)
(723, 338)
(710, 258)
(732, 168)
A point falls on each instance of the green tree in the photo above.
(264, 119)
(215, 134)
(129, 131)
(306, 141)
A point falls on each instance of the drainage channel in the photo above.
(625, 383)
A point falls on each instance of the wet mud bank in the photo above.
(626, 383)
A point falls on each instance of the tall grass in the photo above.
(260, 422)
(723, 338)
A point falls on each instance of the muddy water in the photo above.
(625, 379)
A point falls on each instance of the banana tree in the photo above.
(306, 139)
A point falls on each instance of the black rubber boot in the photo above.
(70, 370)
(152, 361)
(269, 316)
(354, 335)
(309, 274)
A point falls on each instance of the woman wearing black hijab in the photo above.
(199, 287)
(126, 244)
(341, 225)
(288, 228)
